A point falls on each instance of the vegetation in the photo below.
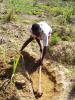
(54, 39)
(15, 64)
(55, 9)
(61, 13)
(16, 61)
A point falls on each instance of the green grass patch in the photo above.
(54, 9)
(54, 39)
(23, 6)
(15, 64)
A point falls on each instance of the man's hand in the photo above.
(40, 62)
(40, 50)
(38, 41)
(21, 52)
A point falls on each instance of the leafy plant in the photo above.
(54, 39)
(15, 64)
(16, 60)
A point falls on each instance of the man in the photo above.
(39, 31)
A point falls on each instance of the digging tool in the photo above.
(39, 92)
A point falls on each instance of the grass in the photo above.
(47, 8)
(27, 6)
(16, 61)
(23, 6)
(15, 64)
(54, 39)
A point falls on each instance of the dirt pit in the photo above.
(22, 88)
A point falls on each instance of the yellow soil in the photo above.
(47, 85)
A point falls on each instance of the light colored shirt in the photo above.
(46, 31)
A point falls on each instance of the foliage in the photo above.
(23, 6)
(62, 13)
(15, 64)
(16, 60)
(54, 39)
(27, 6)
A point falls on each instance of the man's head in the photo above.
(36, 30)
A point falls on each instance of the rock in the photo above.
(20, 84)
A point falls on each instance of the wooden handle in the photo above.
(39, 87)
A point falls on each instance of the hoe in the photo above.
(39, 92)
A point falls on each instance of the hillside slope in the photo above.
(58, 70)
(55, 79)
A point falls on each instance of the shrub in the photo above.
(54, 39)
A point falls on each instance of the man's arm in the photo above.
(45, 43)
(38, 41)
(27, 42)
(44, 52)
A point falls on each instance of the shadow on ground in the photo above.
(30, 63)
